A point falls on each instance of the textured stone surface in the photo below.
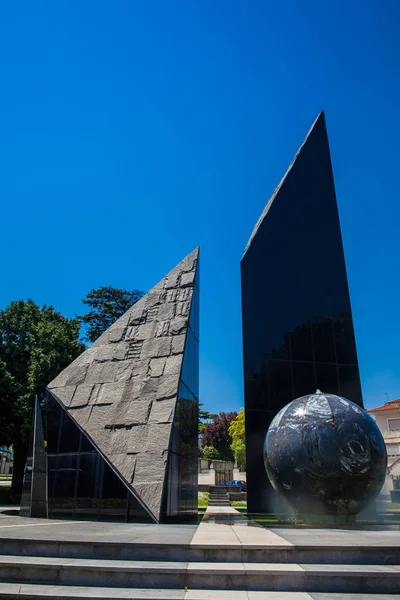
(122, 390)
(325, 455)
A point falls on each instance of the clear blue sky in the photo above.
(133, 131)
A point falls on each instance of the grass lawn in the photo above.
(239, 503)
(203, 499)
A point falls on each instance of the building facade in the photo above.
(297, 322)
(387, 418)
(122, 419)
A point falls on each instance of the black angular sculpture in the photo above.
(297, 321)
(34, 489)
(325, 455)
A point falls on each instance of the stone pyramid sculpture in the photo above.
(123, 391)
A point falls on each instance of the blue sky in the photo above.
(133, 131)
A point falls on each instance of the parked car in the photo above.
(237, 482)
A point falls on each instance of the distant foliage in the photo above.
(36, 343)
(209, 453)
(217, 434)
(238, 446)
(204, 418)
(107, 304)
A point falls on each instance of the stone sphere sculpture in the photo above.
(325, 455)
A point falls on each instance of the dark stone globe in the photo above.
(325, 455)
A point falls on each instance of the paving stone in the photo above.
(173, 365)
(146, 331)
(77, 375)
(162, 411)
(103, 372)
(80, 414)
(138, 411)
(141, 368)
(183, 309)
(171, 295)
(149, 386)
(167, 387)
(150, 467)
(285, 596)
(65, 394)
(163, 329)
(178, 326)
(178, 344)
(157, 366)
(116, 334)
(109, 393)
(123, 370)
(151, 494)
(157, 347)
(138, 318)
(172, 281)
(184, 295)
(166, 311)
(111, 352)
(216, 595)
(187, 279)
(125, 464)
(99, 415)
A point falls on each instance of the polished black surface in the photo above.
(181, 492)
(297, 323)
(325, 455)
(81, 484)
(34, 489)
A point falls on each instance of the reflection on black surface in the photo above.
(81, 484)
(180, 497)
(297, 322)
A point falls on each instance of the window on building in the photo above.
(392, 449)
(394, 424)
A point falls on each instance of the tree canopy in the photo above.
(238, 445)
(209, 453)
(204, 418)
(217, 434)
(107, 304)
(36, 343)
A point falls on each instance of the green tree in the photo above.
(36, 343)
(209, 453)
(204, 417)
(107, 304)
(238, 446)
(217, 434)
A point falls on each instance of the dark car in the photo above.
(237, 482)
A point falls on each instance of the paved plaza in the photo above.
(216, 529)
(224, 556)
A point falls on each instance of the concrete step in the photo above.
(35, 592)
(254, 553)
(219, 496)
(201, 575)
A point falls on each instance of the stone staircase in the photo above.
(34, 569)
(218, 496)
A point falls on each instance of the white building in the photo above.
(387, 418)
